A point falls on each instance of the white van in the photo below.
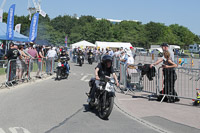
(194, 48)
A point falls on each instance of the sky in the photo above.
(182, 12)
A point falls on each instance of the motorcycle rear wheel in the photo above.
(57, 74)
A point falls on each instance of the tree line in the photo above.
(89, 28)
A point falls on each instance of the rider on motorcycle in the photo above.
(64, 56)
(90, 52)
(103, 69)
(90, 56)
(80, 53)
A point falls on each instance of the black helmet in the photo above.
(106, 58)
(63, 51)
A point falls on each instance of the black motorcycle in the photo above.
(104, 97)
(90, 59)
(80, 60)
(61, 70)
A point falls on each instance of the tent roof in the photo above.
(83, 43)
(113, 44)
(17, 36)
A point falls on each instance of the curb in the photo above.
(141, 121)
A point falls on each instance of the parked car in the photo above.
(141, 51)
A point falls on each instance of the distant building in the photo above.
(114, 21)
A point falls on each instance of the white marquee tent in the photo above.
(113, 45)
(82, 44)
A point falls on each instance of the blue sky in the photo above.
(182, 12)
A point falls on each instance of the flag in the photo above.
(1, 15)
(18, 28)
(33, 27)
(66, 41)
(10, 23)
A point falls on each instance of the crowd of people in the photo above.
(98, 53)
(21, 56)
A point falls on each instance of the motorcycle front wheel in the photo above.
(80, 63)
(104, 112)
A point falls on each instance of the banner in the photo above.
(43, 13)
(10, 23)
(1, 15)
(18, 28)
(33, 27)
(66, 41)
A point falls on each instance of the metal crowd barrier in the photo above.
(3, 71)
(18, 70)
(40, 67)
(132, 79)
(144, 59)
(116, 63)
(123, 75)
(180, 83)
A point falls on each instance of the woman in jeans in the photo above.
(40, 57)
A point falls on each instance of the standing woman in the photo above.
(40, 57)
(23, 62)
(169, 77)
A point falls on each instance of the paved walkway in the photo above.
(181, 113)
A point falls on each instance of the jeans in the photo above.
(50, 65)
(94, 88)
(12, 73)
(67, 67)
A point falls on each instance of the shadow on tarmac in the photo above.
(94, 111)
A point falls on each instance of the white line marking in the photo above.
(84, 77)
(14, 129)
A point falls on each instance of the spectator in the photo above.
(32, 51)
(21, 63)
(165, 47)
(51, 55)
(12, 55)
(130, 59)
(111, 52)
(169, 77)
(40, 58)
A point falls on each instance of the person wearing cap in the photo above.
(168, 72)
(165, 47)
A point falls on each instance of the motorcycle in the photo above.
(90, 59)
(61, 70)
(104, 97)
(80, 60)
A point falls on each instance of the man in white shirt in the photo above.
(51, 55)
(130, 58)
